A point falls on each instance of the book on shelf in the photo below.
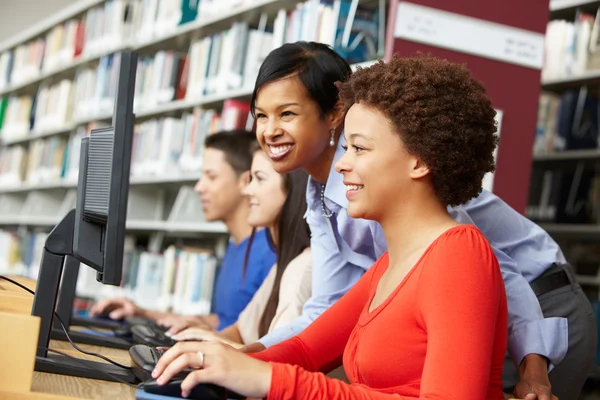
(179, 279)
(572, 47)
(21, 252)
(567, 121)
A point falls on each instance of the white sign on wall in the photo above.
(469, 35)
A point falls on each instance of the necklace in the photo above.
(326, 212)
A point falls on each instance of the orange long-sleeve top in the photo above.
(441, 334)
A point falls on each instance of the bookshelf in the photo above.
(566, 152)
(564, 193)
(173, 41)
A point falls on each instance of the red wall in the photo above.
(513, 89)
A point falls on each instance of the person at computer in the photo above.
(277, 202)
(552, 332)
(429, 319)
(225, 173)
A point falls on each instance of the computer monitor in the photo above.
(93, 232)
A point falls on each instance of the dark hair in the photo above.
(294, 237)
(317, 66)
(442, 114)
(235, 144)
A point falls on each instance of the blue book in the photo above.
(97, 333)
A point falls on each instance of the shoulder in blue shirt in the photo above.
(233, 291)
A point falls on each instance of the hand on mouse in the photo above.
(219, 364)
(118, 308)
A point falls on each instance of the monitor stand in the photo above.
(66, 301)
(59, 244)
(64, 308)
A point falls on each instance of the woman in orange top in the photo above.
(429, 320)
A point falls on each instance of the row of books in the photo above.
(163, 146)
(106, 27)
(564, 196)
(572, 47)
(170, 144)
(100, 30)
(47, 160)
(179, 280)
(569, 121)
(218, 63)
(21, 252)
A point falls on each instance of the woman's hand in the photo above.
(197, 334)
(178, 323)
(118, 308)
(216, 363)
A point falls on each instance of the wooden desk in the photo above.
(80, 387)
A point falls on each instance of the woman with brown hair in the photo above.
(277, 202)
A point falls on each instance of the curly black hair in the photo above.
(442, 114)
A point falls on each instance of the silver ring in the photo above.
(200, 359)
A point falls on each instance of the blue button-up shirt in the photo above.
(343, 248)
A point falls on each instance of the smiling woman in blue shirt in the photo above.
(299, 121)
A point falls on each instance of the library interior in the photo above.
(345, 199)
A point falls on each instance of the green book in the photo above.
(3, 105)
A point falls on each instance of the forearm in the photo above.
(212, 320)
(534, 366)
(528, 331)
(152, 314)
(255, 347)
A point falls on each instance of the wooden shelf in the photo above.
(133, 225)
(567, 8)
(140, 180)
(570, 82)
(589, 231)
(570, 155)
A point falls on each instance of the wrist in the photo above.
(266, 382)
(148, 314)
(255, 347)
(534, 365)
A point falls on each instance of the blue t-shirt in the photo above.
(232, 293)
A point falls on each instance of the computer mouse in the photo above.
(123, 332)
(144, 359)
(106, 315)
(173, 389)
(151, 336)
